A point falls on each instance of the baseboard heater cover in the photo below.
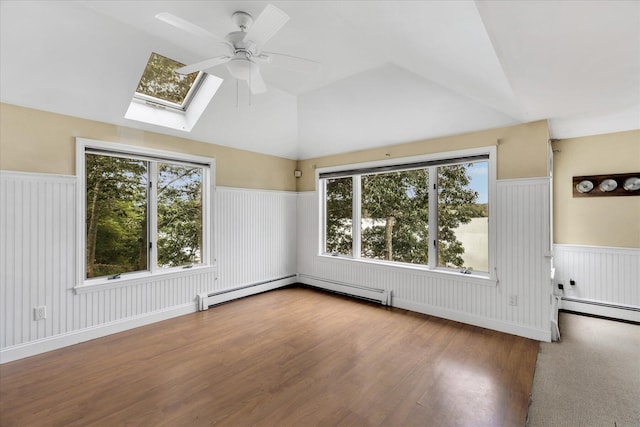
(601, 308)
(602, 304)
(379, 295)
(205, 300)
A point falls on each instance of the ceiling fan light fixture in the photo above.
(242, 68)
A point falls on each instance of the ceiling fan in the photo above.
(244, 45)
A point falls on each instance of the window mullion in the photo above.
(152, 217)
(433, 217)
(356, 222)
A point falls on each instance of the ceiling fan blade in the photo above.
(290, 61)
(256, 84)
(184, 25)
(267, 25)
(203, 65)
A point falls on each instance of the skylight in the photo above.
(160, 84)
(168, 99)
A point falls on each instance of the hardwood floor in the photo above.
(293, 356)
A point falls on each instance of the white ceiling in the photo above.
(392, 71)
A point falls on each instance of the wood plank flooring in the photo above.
(290, 357)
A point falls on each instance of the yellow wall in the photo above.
(597, 221)
(522, 152)
(38, 141)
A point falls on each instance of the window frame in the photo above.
(183, 117)
(84, 284)
(193, 89)
(182, 106)
(454, 157)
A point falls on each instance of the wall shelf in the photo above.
(622, 184)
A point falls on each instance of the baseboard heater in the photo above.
(601, 308)
(379, 295)
(206, 300)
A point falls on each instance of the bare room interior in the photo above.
(359, 213)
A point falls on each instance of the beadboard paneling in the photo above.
(523, 268)
(603, 274)
(255, 239)
(256, 235)
(36, 255)
(523, 250)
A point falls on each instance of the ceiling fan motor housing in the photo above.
(240, 45)
(242, 19)
(241, 66)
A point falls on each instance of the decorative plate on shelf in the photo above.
(584, 186)
(608, 185)
(632, 184)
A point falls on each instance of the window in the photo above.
(144, 211)
(427, 211)
(168, 99)
(116, 215)
(339, 203)
(179, 213)
(161, 85)
(395, 216)
(463, 216)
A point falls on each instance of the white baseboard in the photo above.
(483, 322)
(601, 309)
(32, 348)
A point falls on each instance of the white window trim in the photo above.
(475, 277)
(208, 194)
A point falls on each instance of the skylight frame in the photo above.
(156, 111)
(159, 102)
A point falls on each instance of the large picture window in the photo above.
(432, 212)
(144, 211)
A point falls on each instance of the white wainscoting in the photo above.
(523, 267)
(607, 280)
(256, 236)
(255, 240)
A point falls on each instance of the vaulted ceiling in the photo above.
(391, 71)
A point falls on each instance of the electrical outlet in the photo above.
(40, 312)
(513, 300)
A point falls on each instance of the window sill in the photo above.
(483, 279)
(101, 284)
